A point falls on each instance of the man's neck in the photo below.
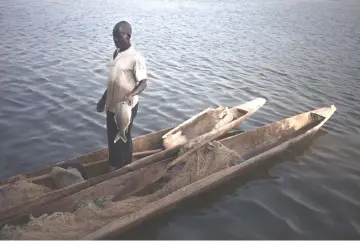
(124, 49)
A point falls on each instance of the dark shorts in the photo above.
(120, 153)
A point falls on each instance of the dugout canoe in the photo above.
(254, 146)
(98, 164)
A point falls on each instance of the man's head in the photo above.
(122, 34)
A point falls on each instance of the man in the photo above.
(126, 80)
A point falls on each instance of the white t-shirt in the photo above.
(126, 70)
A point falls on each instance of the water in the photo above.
(298, 54)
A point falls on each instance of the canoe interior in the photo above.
(254, 142)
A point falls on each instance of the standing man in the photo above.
(126, 80)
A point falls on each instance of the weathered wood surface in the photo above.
(92, 169)
(194, 144)
(124, 184)
(17, 212)
(209, 121)
(20, 212)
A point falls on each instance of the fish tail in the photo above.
(117, 137)
(121, 136)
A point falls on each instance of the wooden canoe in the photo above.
(98, 164)
(255, 147)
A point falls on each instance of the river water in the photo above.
(299, 55)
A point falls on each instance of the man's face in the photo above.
(121, 38)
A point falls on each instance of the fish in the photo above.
(122, 119)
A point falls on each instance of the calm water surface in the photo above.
(299, 55)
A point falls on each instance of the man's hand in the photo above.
(137, 90)
(100, 105)
(129, 99)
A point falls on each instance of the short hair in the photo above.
(125, 27)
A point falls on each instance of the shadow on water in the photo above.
(196, 205)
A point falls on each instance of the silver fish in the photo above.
(122, 119)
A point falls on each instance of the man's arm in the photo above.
(104, 95)
(139, 88)
(141, 76)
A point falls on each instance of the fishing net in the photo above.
(94, 214)
(20, 191)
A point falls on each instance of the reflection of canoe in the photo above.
(95, 163)
(254, 146)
